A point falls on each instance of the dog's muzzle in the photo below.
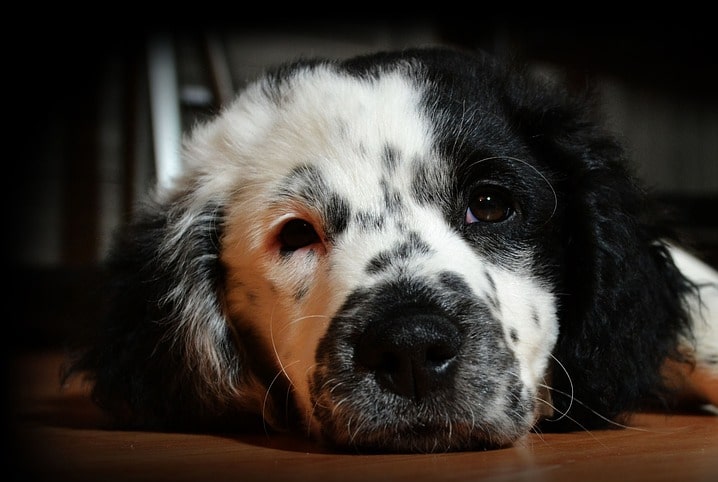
(418, 365)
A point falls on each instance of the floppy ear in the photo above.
(624, 313)
(622, 309)
(164, 356)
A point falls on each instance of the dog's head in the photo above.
(388, 251)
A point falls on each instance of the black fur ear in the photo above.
(622, 305)
(623, 314)
(164, 356)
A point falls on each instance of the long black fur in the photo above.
(140, 371)
(622, 308)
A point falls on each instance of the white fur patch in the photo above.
(703, 380)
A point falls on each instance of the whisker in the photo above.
(306, 317)
(349, 427)
(283, 370)
(458, 134)
(316, 403)
(276, 351)
(602, 417)
(356, 431)
(575, 422)
(537, 430)
(266, 398)
(338, 404)
(551, 405)
(571, 396)
(302, 318)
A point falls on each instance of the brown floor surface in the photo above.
(59, 436)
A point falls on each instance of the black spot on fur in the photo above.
(307, 183)
(514, 335)
(494, 302)
(454, 282)
(493, 295)
(336, 215)
(492, 283)
(404, 251)
(392, 198)
(301, 293)
(401, 226)
(390, 157)
(368, 221)
(536, 318)
(424, 188)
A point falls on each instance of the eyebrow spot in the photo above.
(402, 252)
(390, 157)
(307, 184)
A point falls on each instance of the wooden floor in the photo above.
(59, 436)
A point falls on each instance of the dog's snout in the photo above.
(411, 355)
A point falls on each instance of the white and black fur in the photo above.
(414, 251)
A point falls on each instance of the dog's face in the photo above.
(390, 251)
(387, 252)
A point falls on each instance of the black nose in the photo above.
(411, 355)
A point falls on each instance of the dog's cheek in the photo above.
(280, 300)
(530, 323)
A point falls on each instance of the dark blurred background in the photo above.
(82, 138)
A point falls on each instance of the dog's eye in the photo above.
(296, 234)
(489, 205)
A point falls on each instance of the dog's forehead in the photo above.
(413, 114)
(336, 120)
(321, 130)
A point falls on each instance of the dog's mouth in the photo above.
(441, 424)
(406, 370)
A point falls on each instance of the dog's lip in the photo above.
(430, 429)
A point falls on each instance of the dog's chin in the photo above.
(386, 423)
(365, 436)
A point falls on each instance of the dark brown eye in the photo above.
(489, 205)
(296, 234)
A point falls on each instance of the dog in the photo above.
(414, 251)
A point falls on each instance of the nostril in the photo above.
(410, 355)
(378, 359)
(439, 357)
